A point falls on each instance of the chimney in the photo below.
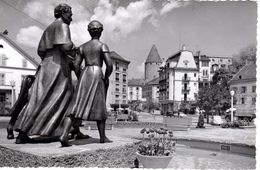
(183, 47)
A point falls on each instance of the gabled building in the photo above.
(15, 63)
(178, 81)
(244, 85)
(117, 91)
(135, 90)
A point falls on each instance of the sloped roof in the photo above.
(248, 72)
(135, 82)
(116, 56)
(153, 56)
(154, 81)
(35, 61)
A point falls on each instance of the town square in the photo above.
(128, 84)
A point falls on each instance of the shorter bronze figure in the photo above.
(89, 100)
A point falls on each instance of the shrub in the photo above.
(160, 142)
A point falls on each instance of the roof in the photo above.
(248, 72)
(154, 81)
(116, 56)
(153, 56)
(135, 82)
(204, 58)
(35, 61)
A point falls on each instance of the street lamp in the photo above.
(232, 92)
(12, 83)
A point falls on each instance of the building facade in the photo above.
(178, 81)
(117, 95)
(244, 85)
(151, 91)
(135, 90)
(208, 65)
(14, 65)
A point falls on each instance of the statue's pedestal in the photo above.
(52, 148)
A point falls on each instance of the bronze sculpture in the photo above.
(89, 100)
(19, 104)
(52, 89)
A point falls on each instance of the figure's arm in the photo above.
(77, 62)
(107, 60)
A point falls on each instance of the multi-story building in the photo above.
(152, 64)
(14, 65)
(178, 81)
(208, 65)
(244, 85)
(135, 90)
(151, 90)
(117, 91)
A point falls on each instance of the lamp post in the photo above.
(12, 83)
(232, 92)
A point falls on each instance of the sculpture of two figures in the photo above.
(52, 107)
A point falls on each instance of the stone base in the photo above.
(51, 147)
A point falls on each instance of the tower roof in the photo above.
(153, 56)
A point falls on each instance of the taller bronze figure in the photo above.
(89, 100)
(52, 89)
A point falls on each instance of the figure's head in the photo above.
(95, 29)
(63, 11)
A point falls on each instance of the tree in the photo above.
(246, 54)
(216, 96)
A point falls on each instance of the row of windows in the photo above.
(243, 100)
(3, 81)
(117, 65)
(3, 59)
(118, 79)
(243, 89)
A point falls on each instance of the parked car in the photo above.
(216, 120)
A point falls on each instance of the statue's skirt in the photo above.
(89, 99)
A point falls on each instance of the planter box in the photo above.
(177, 123)
(154, 162)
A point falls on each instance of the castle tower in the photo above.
(152, 64)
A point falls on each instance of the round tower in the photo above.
(152, 64)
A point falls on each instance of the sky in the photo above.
(131, 27)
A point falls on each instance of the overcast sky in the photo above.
(132, 27)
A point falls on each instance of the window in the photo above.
(253, 89)
(117, 96)
(124, 68)
(242, 100)
(24, 63)
(117, 89)
(195, 74)
(243, 89)
(2, 78)
(117, 66)
(117, 76)
(205, 64)
(185, 76)
(1, 46)
(137, 88)
(235, 101)
(124, 89)
(3, 60)
(234, 89)
(253, 100)
(195, 84)
(124, 78)
(220, 60)
(185, 97)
